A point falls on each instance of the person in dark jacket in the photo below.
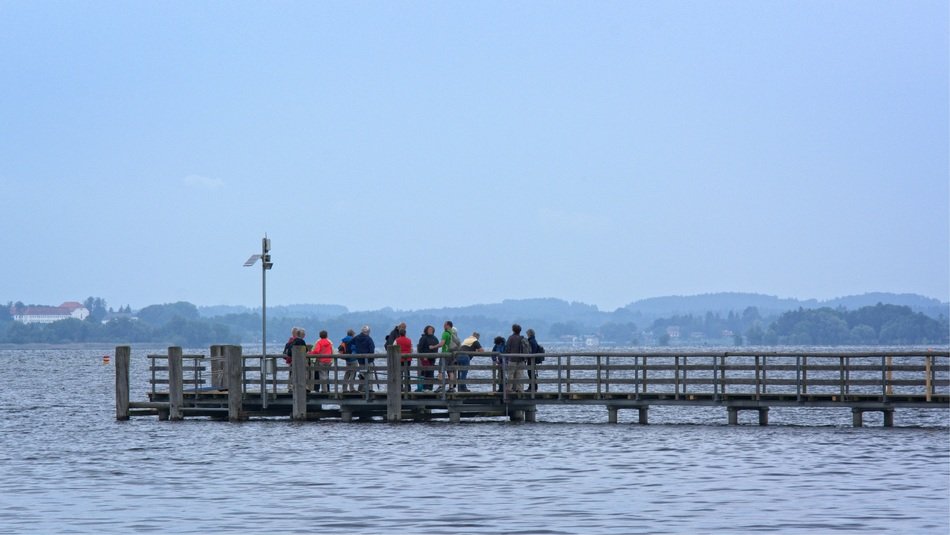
(363, 345)
(498, 360)
(533, 361)
(391, 337)
(428, 343)
(515, 345)
(297, 335)
(346, 348)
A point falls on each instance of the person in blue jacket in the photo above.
(363, 345)
(346, 348)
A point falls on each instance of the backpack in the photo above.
(342, 349)
(525, 345)
(539, 360)
(455, 343)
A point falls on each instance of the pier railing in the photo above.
(638, 378)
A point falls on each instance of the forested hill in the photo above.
(554, 310)
(769, 305)
(711, 319)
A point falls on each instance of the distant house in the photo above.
(112, 316)
(45, 314)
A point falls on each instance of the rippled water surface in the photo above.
(66, 465)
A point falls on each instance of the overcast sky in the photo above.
(416, 154)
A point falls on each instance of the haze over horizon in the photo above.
(422, 155)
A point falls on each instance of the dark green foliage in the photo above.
(872, 325)
(177, 330)
(619, 333)
(159, 315)
(97, 309)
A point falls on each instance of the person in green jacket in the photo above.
(449, 344)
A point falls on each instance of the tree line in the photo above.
(181, 324)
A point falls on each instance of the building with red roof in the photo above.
(48, 314)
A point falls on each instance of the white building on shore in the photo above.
(47, 314)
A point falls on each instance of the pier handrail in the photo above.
(679, 373)
(877, 380)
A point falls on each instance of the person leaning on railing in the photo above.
(322, 368)
(498, 360)
(405, 347)
(464, 360)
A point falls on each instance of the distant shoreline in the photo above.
(89, 345)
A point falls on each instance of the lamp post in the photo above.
(266, 264)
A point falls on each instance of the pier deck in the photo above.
(230, 385)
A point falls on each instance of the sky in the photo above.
(429, 154)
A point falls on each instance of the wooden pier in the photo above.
(228, 385)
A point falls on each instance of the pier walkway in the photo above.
(226, 384)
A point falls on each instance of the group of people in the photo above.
(508, 354)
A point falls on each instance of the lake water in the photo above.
(67, 466)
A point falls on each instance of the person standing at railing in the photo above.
(464, 360)
(363, 345)
(288, 347)
(533, 360)
(405, 347)
(346, 348)
(448, 345)
(497, 350)
(296, 339)
(427, 344)
(516, 345)
(322, 347)
(391, 337)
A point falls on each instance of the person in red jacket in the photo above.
(405, 347)
(321, 371)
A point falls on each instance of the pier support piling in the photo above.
(176, 398)
(393, 390)
(642, 415)
(857, 416)
(122, 354)
(300, 372)
(734, 414)
(234, 373)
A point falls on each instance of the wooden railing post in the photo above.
(722, 374)
(393, 380)
(676, 376)
(175, 390)
(798, 377)
(929, 379)
(234, 370)
(300, 373)
(805, 375)
(887, 376)
(219, 373)
(758, 379)
(122, 354)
